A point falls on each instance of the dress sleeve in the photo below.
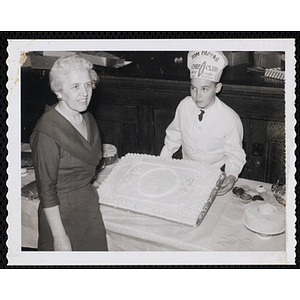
(235, 154)
(45, 155)
(173, 138)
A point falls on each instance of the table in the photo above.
(221, 230)
(29, 216)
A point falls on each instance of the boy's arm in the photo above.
(235, 156)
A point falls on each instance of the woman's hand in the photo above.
(96, 184)
(227, 185)
(60, 238)
(62, 243)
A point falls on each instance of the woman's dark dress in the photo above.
(65, 163)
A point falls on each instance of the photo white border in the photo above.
(16, 50)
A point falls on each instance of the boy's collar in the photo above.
(210, 107)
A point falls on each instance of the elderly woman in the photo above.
(66, 148)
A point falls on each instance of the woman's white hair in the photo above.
(67, 63)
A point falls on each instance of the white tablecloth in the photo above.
(221, 230)
(29, 216)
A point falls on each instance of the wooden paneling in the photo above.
(162, 119)
(275, 163)
(35, 94)
(255, 102)
(118, 125)
(112, 133)
(258, 149)
(145, 129)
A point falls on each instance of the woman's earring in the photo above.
(59, 96)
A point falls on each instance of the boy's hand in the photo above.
(227, 185)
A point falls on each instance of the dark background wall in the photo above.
(133, 106)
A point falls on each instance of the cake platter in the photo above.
(262, 233)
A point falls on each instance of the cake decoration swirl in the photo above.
(158, 182)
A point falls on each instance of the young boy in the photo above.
(208, 130)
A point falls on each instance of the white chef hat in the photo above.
(207, 65)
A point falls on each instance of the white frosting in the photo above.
(267, 209)
(158, 182)
(265, 218)
(176, 190)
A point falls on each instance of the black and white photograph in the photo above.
(151, 152)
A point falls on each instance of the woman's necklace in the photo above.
(76, 121)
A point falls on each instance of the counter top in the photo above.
(171, 65)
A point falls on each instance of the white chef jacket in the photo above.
(216, 140)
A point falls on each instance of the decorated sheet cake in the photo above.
(176, 190)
